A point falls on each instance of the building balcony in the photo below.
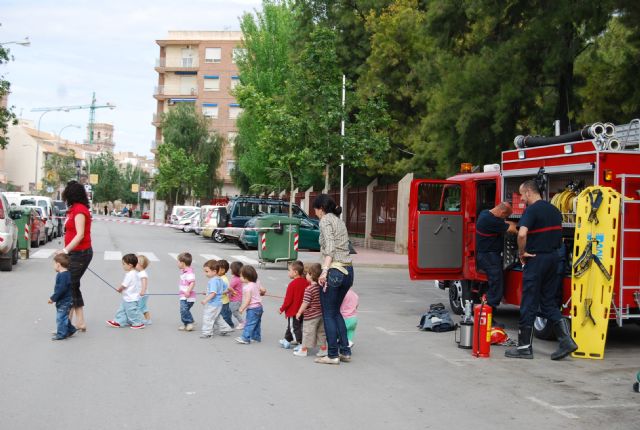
(176, 65)
(157, 119)
(162, 92)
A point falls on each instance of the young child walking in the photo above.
(313, 329)
(349, 311)
(211, 316)
(129, 313)
(252, 294)
(186, 287)
(62, 297)
(291, 304)
(141, 268)
(226, 310)
(235, 293)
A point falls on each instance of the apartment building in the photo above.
(199, 67)
(135, 160)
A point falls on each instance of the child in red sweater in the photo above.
(291, 304)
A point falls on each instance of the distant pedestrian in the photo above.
(252, 293)
(291, 304)
(336, 277)
(141, 268)
(235, 293)
(349, 311)
(313, 334)
(211, 316)
(226, 310)
(106, 210)
(62, 297)
(128, 313)
(77, 244)
(187, 292)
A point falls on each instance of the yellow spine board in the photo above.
(591, 292)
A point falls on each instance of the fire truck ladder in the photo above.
(622, 311)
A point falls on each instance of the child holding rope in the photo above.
(291, 304)
(129, 312)
(252, 294)
(212, 316)
(141, 268)
(235, 293)
(313, 329)
(186, 287)
(226, 310)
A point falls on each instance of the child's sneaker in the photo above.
(327, 360)
(302, 352)
(112, 323)
(297, 348)
(350, 344)
(322, 352)
(242, 341)
(285, 343)
(147, 322)
(182, 327)
(188, 327)
(240, 326)
(137, 327)
(205, 336)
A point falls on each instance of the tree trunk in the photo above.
(291, 196)
(565, 85)
(326, 177)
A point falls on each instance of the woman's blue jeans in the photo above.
(336, 330)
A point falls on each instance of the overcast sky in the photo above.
(78, 47)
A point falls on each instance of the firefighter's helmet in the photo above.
(498, 336)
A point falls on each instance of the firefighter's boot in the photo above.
(566, 344)
(524, 348)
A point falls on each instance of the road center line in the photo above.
(556, 409)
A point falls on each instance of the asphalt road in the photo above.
(161, 378)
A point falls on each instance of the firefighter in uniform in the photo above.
(490, 229)
(539, 241)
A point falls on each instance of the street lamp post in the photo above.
(65, 127)
(35, 185)
(25, 42)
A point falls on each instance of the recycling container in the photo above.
(277, 238)
(24, 223)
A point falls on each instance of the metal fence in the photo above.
(384, 211)
(356, 211)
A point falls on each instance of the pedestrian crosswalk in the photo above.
(46, 253)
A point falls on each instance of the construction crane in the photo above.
(92, 113)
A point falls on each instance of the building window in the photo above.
(234, 111)
(212, 55)
(238, 54)
(231, 138)
(210, 111)
(235, 80)
(211, 83)
(231, 165)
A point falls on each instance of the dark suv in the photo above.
(242, 209)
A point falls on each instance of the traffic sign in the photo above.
(135, 188)
(93, 179)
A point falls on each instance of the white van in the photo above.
(213, 218)
(50, 224)
(179, 211)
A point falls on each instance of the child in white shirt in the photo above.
(141, 268)
(129, 312)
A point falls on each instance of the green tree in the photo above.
(110, 186)
(132, 175)
(59, 169)
(176, 170)
(6, 114)
(185, 129)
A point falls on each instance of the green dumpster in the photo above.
(137, 214)
(277, 238)
(24, 223)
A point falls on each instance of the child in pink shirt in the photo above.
(235, 293)
(252, 294)
(349, 311)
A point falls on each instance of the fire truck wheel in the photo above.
(543, 329)
(455, 296)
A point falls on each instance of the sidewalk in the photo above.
(367, 257)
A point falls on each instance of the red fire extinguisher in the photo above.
(482, 329)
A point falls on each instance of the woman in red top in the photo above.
(77, 243)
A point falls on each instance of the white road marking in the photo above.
(174, 255)
(150, 255)
(384, 330)
(448, 360)
(245, 260)
(43, 253)
(210, 257)
(113, 255)
(555, 409)
(597, 406)
(271, 278)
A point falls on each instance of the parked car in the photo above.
(8, 235)
(37, 226)
(242, 209)
(61, 207)
(186, 219)
(212, 218)
(309, 235)
(47, 205)
(178, 212)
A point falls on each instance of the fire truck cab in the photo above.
(443, 214)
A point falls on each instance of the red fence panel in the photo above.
(356, 210)
(385, 199)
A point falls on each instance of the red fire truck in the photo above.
(443, 213)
